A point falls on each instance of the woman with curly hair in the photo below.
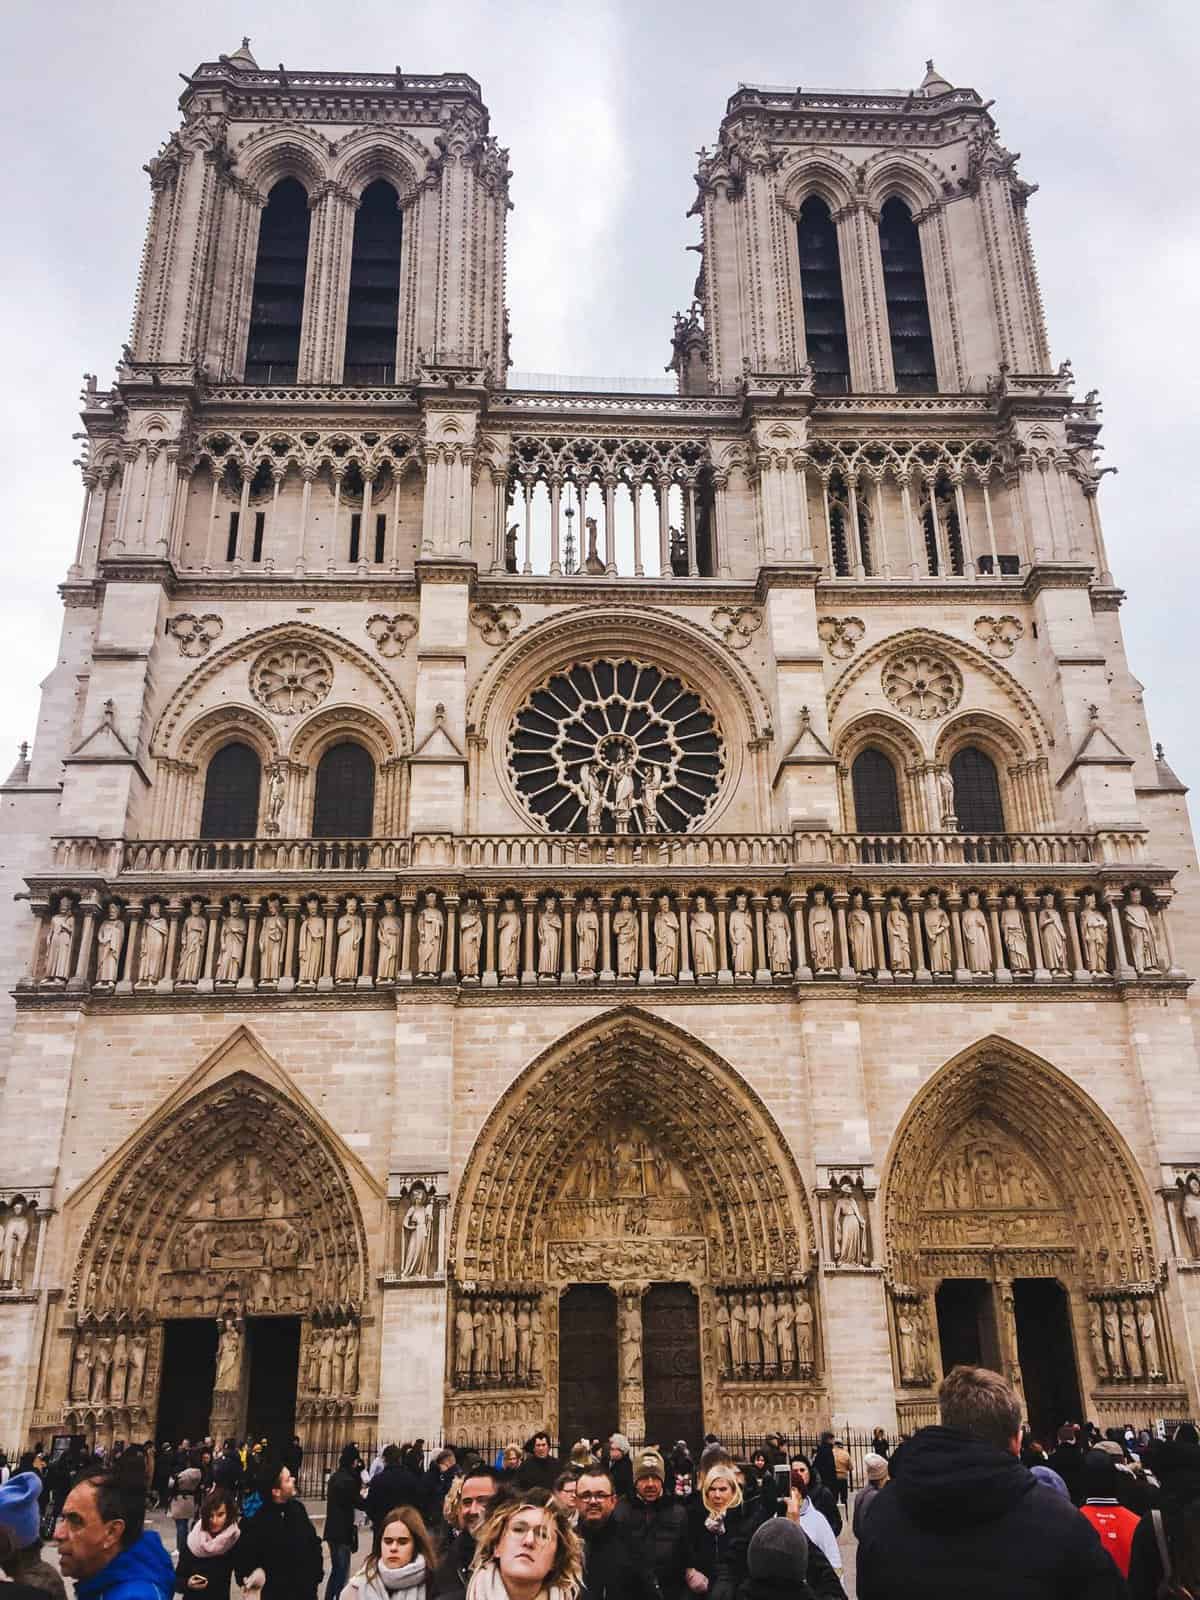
(401, 1563)
(526, 1548)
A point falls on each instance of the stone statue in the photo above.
(820, 934)
(1012, 930)
(137, 1368)
(417, 1229)
(704, 939)
(537, 1346)
(977, 941)
(1143, 947)
(464, 1339)
(724, 1353)
(101, 1360)
(524, 1332)
(779, 936)
(666, 940)
(1093, 927)
(1053, 935)
(1190, 1209)
(350, 1378)
(785, 1330)
(1149, 1333)
(82, 1367)
(229, 1351)
(592, 792)
(587, 931)
(945, 785)
(110, 941)
(550, 925)
(60, 941)
(152, 956)
(338, 1374)
(14, 1236)
(389, 942)
(804, 1332)
(753, 1332)
(858, 926)
(899, 936)
(1096, 1339)
(624, 800)
(509, 929)
(349, 946)
(767, 1319)
(312, 942)
(737, 1333)
(937, 934)
(470, 936)
(741, 939)
(430, 923)
(325, 1369)
(274, 798)
(1112, 1339)
(849, 1229)
(483, 1340)
(625, 927)
(1129, 1340)
(231, 949)
(652, 788)
(271, 942)
(191, 944)
(631, 1342)
(496, 1320)
(908, 1331)
(118, 1376)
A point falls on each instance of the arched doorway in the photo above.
(645, 1210)
(221, 1281)
(1018, 1235)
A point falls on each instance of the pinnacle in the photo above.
(242, 56)
(933, 84)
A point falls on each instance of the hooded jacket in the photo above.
(658, 1533)
(143, 1572)
(963, 1517)
(1177, 1467)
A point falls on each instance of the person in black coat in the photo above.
(394, 1486)
(722, 1527)
(1176, 1465)
(962, 1516)
(807, 1479)
(343, 1498)
(1067, 1460)
(777, 1561)
(210, 1549)
(540, 1468)
(439, 1475)
(481, 1489)
(280, 1542)
(656, 1528)
(611, 1570)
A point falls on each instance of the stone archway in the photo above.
(631, 1155)
(1004, 1173)
(231, 1210)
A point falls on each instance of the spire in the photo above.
(242, 57)
(1167, 778)
(933, 83)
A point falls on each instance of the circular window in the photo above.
(922, 684)
(616, 746)
(290, 679)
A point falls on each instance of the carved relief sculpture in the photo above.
(805, 1346)
(767, 1320)
(1129, 1340)
(550, 925)
(820, 934)
(862, 943)
(275, 794)
(349, 946)
(1053, 936)
(270, 943)
(101, 1361)
(110, 941)
(704, 939)
(464, 1342)
(753, 1332)
(1112, 1339)
(1149, 1333)
(81, 1368)
(231, 950)
(937, 934)
(14, 1237)
(289, 679)
(785, 1331)
(470, 937)
(388, 932)
(1143, 947)
(1096, 1340)
(899, 936)
(779, 937)
(737, 1334)
(191, 944)
(119, 1371)
(60, 941)
(909, 1338)
(152, 955)
(587, 931)
(509, 949)
(922, 684)
(1012, 930)
(312, 942)
(137, 1368)
(524, 1321)
(430, 923)
(977, 941)
(666, 940)
(1093, 928)
(741, 940)
(625, 928)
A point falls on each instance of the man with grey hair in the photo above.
(962, 1516)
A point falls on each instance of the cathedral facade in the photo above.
(539, 907)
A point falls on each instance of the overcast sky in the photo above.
(603, 107)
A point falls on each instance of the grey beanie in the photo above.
(779, 1552)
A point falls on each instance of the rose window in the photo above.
(616, 746)
(290, 679)
(922, 684)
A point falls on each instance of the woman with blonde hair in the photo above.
(527, 1548)
(401, 1562)
(723, 1536)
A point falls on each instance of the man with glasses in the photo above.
(611, 1571)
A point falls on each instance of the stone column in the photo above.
(1000, 968)
(1071, 915)
(840, 901)
(174, 915)
(684, 908)
(1122, 969)
(762, 972)
(798, 903)
(529, 965)
(883, 971)
(287, 978)
(724, 972)
(1030, 902)
(212, 912)
(606, 973)
(404, 975)
(125, 984)
(80, 978)
(490, 978)
(325, 981)
(921, 973)
(645, 971)
(366, 978)
(449, 970)
(568, 935)
(246, 981)
(954, 904)
(632, 1401)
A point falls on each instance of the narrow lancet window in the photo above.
(373, 316)
(821, 296)
(907, 302)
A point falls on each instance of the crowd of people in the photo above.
(973, 1505)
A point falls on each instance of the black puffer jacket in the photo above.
(283, 1542)
(611, 1571)
(343, 1497)
(658, 1534)
(961, 1517)
(721, 1553)
(1177, 1468)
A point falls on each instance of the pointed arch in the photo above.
(1108, 1237)
(755, 1213)
(818, 171)
(372, 153)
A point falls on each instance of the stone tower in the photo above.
(539, 907)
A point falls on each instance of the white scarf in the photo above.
(202, 1543)
(487, 1584)
(409, 1580)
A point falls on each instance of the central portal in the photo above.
(587, 1363)
(274, 1368)
(671, 1340)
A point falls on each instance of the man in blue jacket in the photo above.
(102, 1539)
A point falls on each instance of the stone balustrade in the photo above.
(651, 924)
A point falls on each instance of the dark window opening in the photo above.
(837, 539)
(345, 800)
(931, 543)
(977, 802)
(235, 518)
(1010, 566)
(355, 534)
(821, 298)
(876, 798)
(907, 302)
(373, 315)
(380, 537)
(260, 523)
(231, 789)
(277, 307)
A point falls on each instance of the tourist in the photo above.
(842, 1466)
(1174, 1527)
(802, 1509)
(413, 1457)
(20, 1518)
(279, 1554)
(511, 1460)
(293, 1457)
(823, 1464)
(566, 1487)
(610, 1569)
(395, 1485)
(681, 1472)
(879, 1444)
(620, 1467)
(1067, 1460)
(14, 1590)
(1103, 1509)
(343, 1498)
(582, 1455)
(876, 1468)
(657, 1528)
(476, 1502)
(103, 1542)
(539, 1468)
(759, 1485)
(182, 1504)
(527, 1549)
(205, 1564)
(962, 1516)
(773, 1450)
(777, 1563)
(401, 1561)
(439, 1475)
(722, 1528)
(807, 1480)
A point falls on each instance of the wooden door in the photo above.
(587, 1363)
(671, 1364)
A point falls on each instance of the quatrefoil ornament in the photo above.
(841, 634)
(737, 625)
(999, 634)
(391, 634)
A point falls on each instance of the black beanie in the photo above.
(779, 1552)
